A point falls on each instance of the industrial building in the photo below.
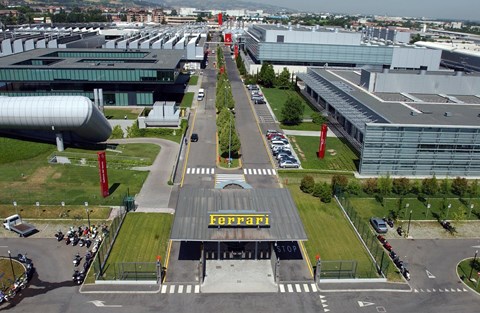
(403, 123)
(64, 119)
(456, 54)
(127, 77)
(298, 47)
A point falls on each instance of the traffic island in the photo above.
(468, 270)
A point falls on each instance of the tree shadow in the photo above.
(112, 188)
(34, 288)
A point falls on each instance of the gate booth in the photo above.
(225, 225)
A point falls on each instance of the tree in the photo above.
(292, 111)
(318, 118)
(384, 185)
(459, 186)
(283, 80)
(445, 186)
(370, 186)
(317, 190)
(326, 193)
(430, 186)
(401, 186)
(473, 189)
(117, 132)
(226, 144)
(174, 13)
(339, 183)
(266, 76)
(307, 184)
(354, 187)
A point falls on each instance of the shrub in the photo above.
(307, 184)
(339, 183)
(317, 190)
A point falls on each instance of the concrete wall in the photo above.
(414, 58)
(314, 37)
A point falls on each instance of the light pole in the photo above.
(471, 208)
(409, 221)
(471, 269)
(406, 208)
(428, 207)
(37, 204)
(88, 214)
(15, 205)
(448, 209)
(11, 265)
(230, 142)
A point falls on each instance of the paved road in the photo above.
(155, 193)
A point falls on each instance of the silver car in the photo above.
(288, 163)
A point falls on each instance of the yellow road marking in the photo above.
(188, 150)
(306, 258)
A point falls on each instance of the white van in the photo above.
(278, 143)
(201, 94)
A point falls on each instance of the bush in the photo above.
(318, 118)
(326, 193)
(354, 187)
(117, 132)
(307, 184)
(339, 183)
(317, 190)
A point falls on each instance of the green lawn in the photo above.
(329, 233)
(30, 211)
(142, 238)
(368, 207)
(6, 279)
(193, 80)
(303, 126)
(338, 155)
(187, 100)
(30, 178)
(119, 113)
(276, 99)
(464, 269)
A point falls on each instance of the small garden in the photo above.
(469, 272)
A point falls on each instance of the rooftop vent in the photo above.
(447, 114)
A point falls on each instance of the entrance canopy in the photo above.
(236, 215)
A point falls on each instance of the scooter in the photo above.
(68, 240)
(76, 259)
(59, 235)
(406, 273)
(22, 258)
(400, 230)
(81, 242)
(75, 240)
(88, 243)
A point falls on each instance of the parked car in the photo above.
(271, 131)
(252, 87)
(255, 98)
(278, 138)
(285, 158)
(259, 101)
(289, 163)
(194, 137)
(256, 93)
(278, 143)
(379, 225)
(270, 136)
(280, 150)
(283, 153)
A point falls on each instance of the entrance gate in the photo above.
(237, 250)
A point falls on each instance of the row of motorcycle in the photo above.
(395, 258)
(83, 236)
(20, 282)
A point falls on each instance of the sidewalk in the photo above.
(307, 133)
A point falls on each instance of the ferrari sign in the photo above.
(102, 169)
(239, 220)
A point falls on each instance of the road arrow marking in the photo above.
(416, 290)
(465, 290)
(364, 303)
(323, 301)
(99, 303)
(430, 275)
(326, 310)
(476, 247)
(324, 305)
(321, 297)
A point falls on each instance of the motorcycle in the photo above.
(76, 259)
(88, 243)
(59, 235)
(389, 222)
(406, 273)
(75, 240)
(22, 258)
(400, 230)
(68, 240)
(81, 242)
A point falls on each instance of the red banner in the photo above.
(323, 142)
(220, 21)
(102, 169)
(235, 51)
(228, 39)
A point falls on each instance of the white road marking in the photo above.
(188, 170)
(273, 172)
(465, 290)
(289, 288)
(172, 288)
(197, 288)
(203, 170)
(264, 172)
(323, 300)
(430, 275)
(164, 288)
(268, 171)
(415, 290)
(297, 288)
(282, 288)
(254, 171)
(99, 303)
(189, 289)
(180, 289)
(305, 288)
(364, 303)
(314, 287)
(459, 290)
(244, 171)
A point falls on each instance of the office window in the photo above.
(280, 38)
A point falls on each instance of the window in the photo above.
(280, 38)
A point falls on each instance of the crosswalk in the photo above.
(200, 170)
(220, 178)
(442, 290)
(259, 171)
(179, 289)
(300, 287)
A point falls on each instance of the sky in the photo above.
(454, 9)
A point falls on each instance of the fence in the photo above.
(378, 254)
(337, 269)
(107, 244)
(137, 271)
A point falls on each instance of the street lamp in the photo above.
(448, 209)
(37, 204)
(428, 207)
(15, 205)
(409, 221)
(88, 214)
(406, 208)
(471, 208)
(11, 265)
(471, 269)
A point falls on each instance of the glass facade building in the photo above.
(125, 77)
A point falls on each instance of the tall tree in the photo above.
(292, 111)
(283, 80)
(266, 76)
(401, 186)
(459, 186)
(430, 186)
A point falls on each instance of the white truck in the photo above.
(15, 223)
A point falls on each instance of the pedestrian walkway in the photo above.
(180, 289)
(220, 178)
(259, 171)
(441, 290)
(200, 171)
(308, 133)
(297, 287)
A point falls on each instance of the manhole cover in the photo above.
(218, 267)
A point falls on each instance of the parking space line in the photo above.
(282, 288)
(164, 289)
